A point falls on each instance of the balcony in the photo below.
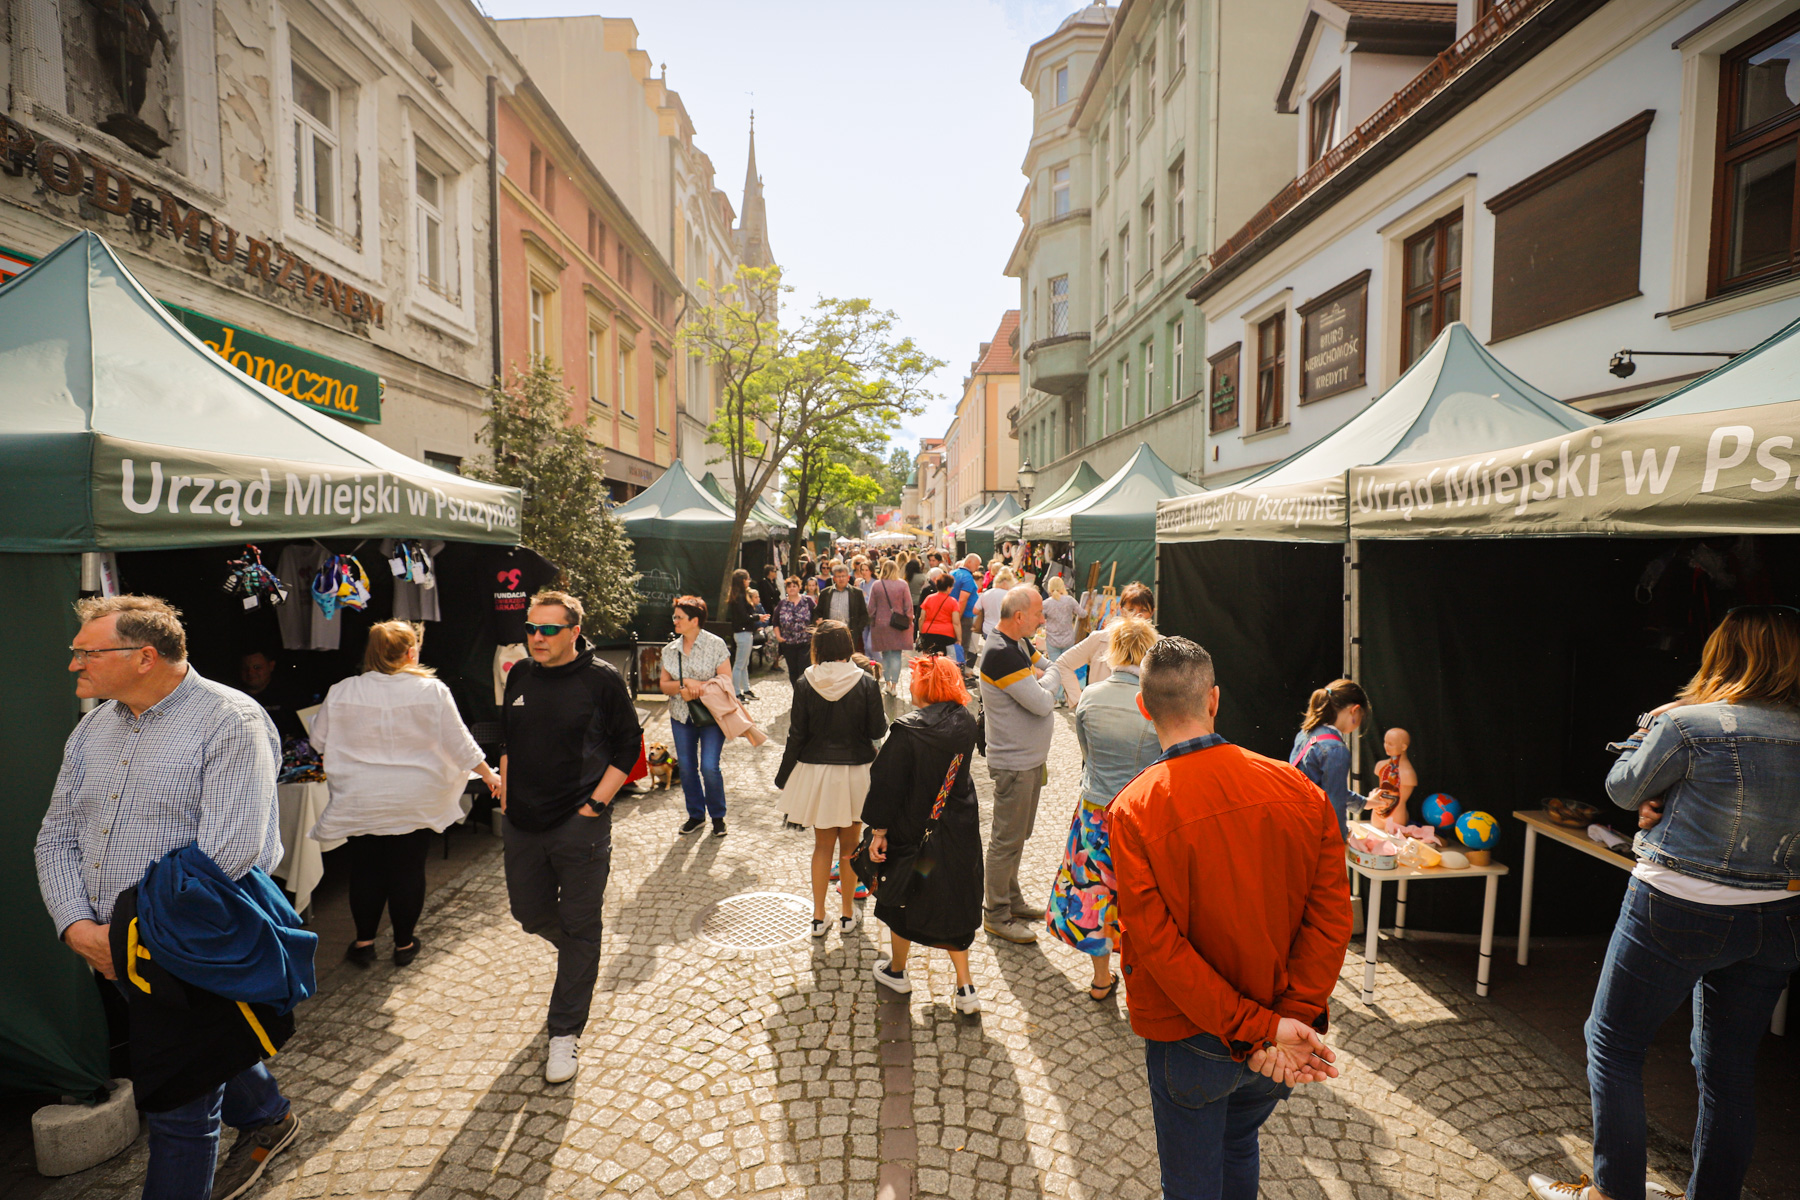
(1057, 365)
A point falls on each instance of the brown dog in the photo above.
(665, 772)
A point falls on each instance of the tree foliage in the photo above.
(533, 445)
(839, 366)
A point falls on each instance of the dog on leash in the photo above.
(665, 772)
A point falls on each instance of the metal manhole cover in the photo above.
(756, 921)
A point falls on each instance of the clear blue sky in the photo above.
(888, 135)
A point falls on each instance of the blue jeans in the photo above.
(1053, 653)
(891, 662)
(697, 750)
(1733, 961)
(184, 1142)
(1208, 1110)
(740, 665)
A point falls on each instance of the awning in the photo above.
(1122, 505)
(761, 511)
(1078, 484)
(123, 431)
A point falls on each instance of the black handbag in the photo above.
(896, 618)
(891, 880)
(699, 716)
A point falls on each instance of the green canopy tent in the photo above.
(1078, 484)
(753, 553)
(1114, 522)
(1256, 572)
(682, 533)
(122, 431)
(956, 528)
(1583, 571)
(978, 531)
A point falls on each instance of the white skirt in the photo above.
(825, 795)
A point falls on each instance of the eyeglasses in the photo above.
(81, 656)
(545, 630)
(1789, 609)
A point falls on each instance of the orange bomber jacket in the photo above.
(1233, 896)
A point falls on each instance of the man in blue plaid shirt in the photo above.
(171, 758)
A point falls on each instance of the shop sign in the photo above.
(112, 189)
(1224, 397)
(1332, 345)
(313, 379)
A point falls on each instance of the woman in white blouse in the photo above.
(397, 758)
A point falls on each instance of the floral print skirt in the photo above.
(1084, 901)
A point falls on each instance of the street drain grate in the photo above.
(756, 921)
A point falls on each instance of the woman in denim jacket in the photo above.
(1711, 911)
(1322, 747)
(1117, 741)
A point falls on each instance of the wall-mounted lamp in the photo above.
(1622, 366)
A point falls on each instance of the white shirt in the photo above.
(988, 604)
(397, 756)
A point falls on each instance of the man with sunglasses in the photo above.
(572, 738)
(172, 759)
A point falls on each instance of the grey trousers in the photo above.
(556, 881)
(1015, 812)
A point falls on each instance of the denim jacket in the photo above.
(1116, 741)
(1327, 763)
(1729, 777)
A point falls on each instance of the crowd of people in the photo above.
(1227, 959)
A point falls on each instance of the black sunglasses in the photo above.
(545, 630)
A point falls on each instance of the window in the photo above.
(1222, 397)
(1178, 355)
(549, 196)
(315, 149)
(625, 264)
(1149, 86)
(1566, 239)
(596, 238)
(1321, 121)
(593, 366)
(537, 174)
(1433, 266)
(1062, 84)
(1105, 159)
(627, 380)
(437, 59)
(1059, 306)
(662, 400)
(1271, 370)
(1147, 214)
(1180, 35)
(428, 194)
(659, 303)
(1105, 283)
(540, 323)
(1759, 124)
(1106, 425)
(1125, 399)
(1124, 262)
(1149, 377)
(1125, 121)
(1178, 201)
(444, 462)
(1059, 191)
(1074, 422)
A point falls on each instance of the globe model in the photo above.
(1441, 809)
(1478, 830)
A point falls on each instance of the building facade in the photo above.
(305, 182)
(1559, 177)
(1153, 132)
(583, 288)
(981, 453)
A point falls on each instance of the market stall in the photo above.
(955, 528)
(978, 531)
(131, 454)
(1114, 522)
(1565, 585)
(682, 535)
(1078, 484)
(754, 553)
(1256, 572)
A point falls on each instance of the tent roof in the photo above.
(996, 512)
(973, 519)
(1130, 492)
(1080, 483)
(678, 506)
(111, 402)
(761, 511)
(1762, 375)
(1456, 399)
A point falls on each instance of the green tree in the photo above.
(833, 472)
(534, 445)
(839, 363)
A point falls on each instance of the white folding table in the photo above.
(1401, 877)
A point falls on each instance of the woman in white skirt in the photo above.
(824, 776)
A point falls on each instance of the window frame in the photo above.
(1061, 191)
(1733, 149)
(1177, 356)
(1317, 144)
(625, 360)
(1059, 85)
(1178, 197)
(447, 284)
(1059, 305)
(309, 127)
(1271, 372)
(537, 320)
(1149, 348)
(596, 364)
(1444, 280)
(1147, 217)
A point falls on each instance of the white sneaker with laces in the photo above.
(967, 1002)
(1546, 1188)
(819, 927)
(893, 981)
(560, 1068)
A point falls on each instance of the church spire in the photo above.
(753, 226)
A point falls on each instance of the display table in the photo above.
(1401, 877)
(302, 859)
(1538, 824)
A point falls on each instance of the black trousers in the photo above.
(388, 871)
(798, 656)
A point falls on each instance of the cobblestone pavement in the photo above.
(709, 1072)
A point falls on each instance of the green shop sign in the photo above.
(325, 383)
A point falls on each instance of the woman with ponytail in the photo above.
(1322, 747)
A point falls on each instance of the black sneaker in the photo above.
(718, 826)
(405, 955)
(749, 693)
(362, 956)
(250, 1155)
(690, 825)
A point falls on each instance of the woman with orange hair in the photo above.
(921, 784)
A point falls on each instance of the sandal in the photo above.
(1111, 987)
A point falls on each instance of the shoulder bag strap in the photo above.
(1313, 741)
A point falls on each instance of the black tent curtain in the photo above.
(1512, 662)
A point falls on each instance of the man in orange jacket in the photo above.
(1236, 913)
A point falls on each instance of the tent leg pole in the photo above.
(1353, 645)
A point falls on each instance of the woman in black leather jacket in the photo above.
(836, 721)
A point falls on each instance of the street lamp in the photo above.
(1027, 480)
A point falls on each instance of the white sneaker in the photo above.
(967, 1002)
(893, 981)
(560, 1068)
(819, 927)
(1546, 1188)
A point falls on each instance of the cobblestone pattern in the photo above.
(712, 1073)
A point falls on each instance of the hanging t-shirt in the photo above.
(511, 576)
(414, 601)
(303, 625)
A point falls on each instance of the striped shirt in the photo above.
(199, 765)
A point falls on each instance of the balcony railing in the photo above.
(1501, 20)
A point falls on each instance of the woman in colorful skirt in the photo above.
(1117, 741)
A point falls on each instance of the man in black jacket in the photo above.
(845, 602)
(572, 738)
